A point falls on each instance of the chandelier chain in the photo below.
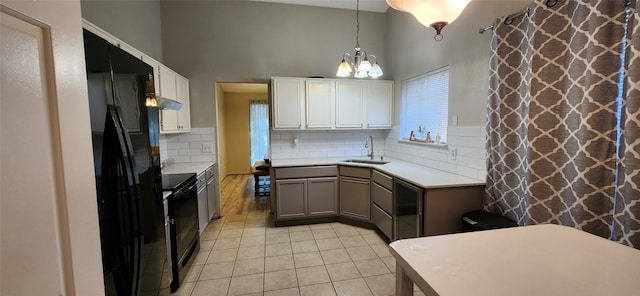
(358, 25)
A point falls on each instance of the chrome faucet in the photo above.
(366, 145)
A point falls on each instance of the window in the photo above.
(259, 125)
(425, 105)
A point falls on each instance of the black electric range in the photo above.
(172, 182)
(181, 216)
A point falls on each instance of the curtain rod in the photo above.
(509, 19)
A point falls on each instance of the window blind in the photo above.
(425, 103)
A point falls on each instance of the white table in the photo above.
(531, 260)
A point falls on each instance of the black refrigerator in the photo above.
(127, 169)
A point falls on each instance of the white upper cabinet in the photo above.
(379, 104)
(175, 87)
(320, 98)
(350, 100)
(324, 104)
(184, 114)
(288, 103)
(168, 84)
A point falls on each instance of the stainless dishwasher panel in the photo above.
(203, 210)
(407, 210)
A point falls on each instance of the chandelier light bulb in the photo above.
(360, 63)
(375, 71)
(344, 70)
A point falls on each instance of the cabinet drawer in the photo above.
(306, 172)
(382, 179)
(356, 172)
(383, 221)
(202, 178)
(209, 172)
(382, 197)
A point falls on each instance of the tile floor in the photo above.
(243, 254)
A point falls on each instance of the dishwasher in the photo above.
(203, 209)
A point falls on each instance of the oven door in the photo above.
(185, 217)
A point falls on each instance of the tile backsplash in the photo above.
(318, 144)
(188, 147)
(468, 142)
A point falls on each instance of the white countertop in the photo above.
(422, 176)
(530, 260)
(187, 167)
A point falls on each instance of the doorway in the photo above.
(234, 125)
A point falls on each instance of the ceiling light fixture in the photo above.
(150, 101)
(432, 13)
(364, 66)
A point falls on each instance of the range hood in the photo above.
(164, 103)
(155, 101)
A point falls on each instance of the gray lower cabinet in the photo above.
(444, 207)
(291, 198)
(355, 198)
(306, 192)
(382, 202)
(382, 220)
(302, 198)
(322, 196)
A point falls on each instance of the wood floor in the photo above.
(238, 196)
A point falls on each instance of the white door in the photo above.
(48, 210)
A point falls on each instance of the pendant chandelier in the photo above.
(362, 65)
(431, 13)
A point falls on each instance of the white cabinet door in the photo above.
(349, 104)
(168, 89)
(379, 104)
(320, 100)
(176, 87)
(184, 114)
(167, 83)
(288, 103)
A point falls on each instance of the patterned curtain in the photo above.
(627, 218)
(552, 122)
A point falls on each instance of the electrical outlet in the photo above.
(207, 148)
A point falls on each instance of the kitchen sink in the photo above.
(367, 161)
